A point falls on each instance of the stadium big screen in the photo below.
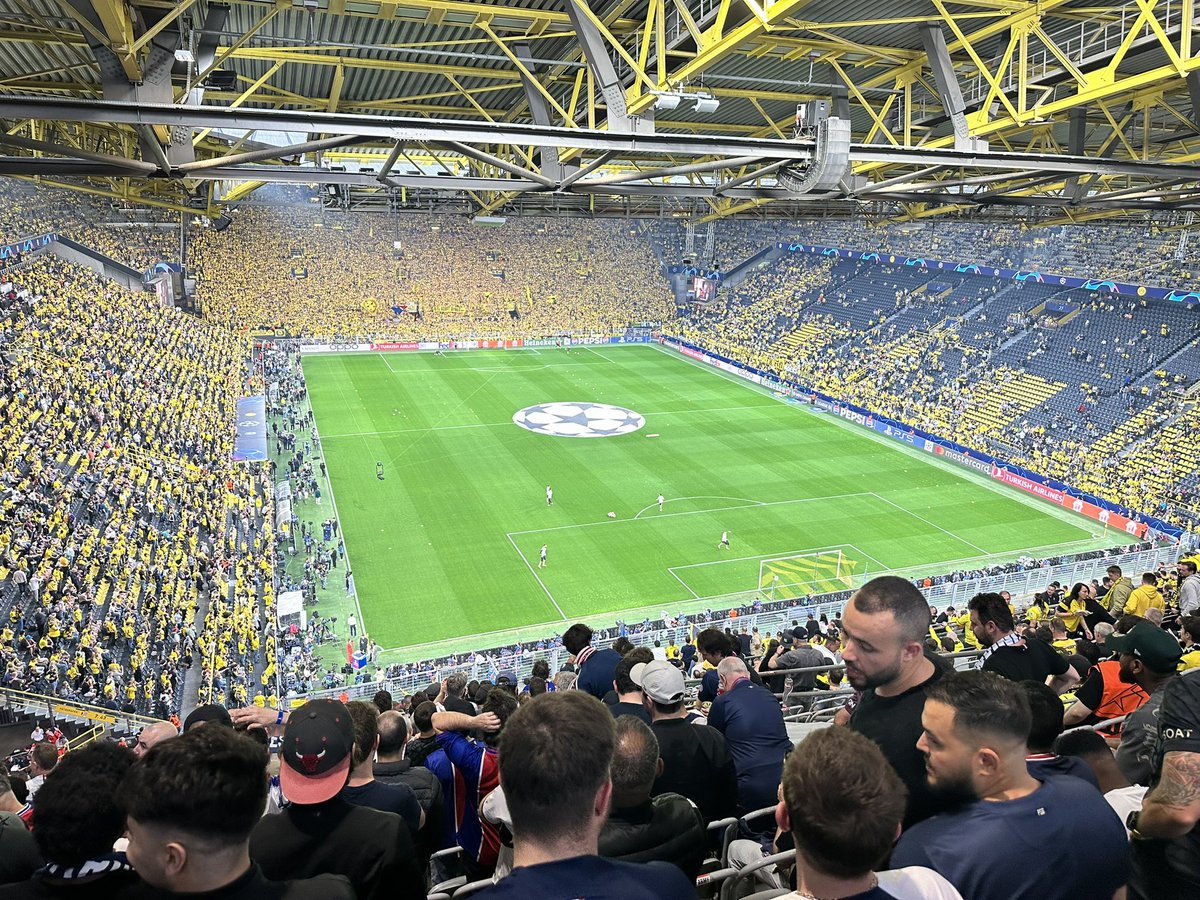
(703, 289)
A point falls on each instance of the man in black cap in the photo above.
(209, 712)
(320, 832)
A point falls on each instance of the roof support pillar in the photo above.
(591, 41)
(946, 80)
(547, 158)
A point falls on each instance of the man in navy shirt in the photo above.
(1069, 844)
(750, 718)
(555, 756)
(362, 789)
(594, 668)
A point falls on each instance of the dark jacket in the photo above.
(429, 794)
(373, 849)
(698, 765)
(254, 886)
(419, 748)
(667, 828)
(596, 673)
(100, 887)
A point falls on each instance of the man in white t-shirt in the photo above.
(549, 496)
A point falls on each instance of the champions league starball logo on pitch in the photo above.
(585, 420)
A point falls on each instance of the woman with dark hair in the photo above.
(1095, 611)
(1039, 610)
(1071, 610)
(773, 682)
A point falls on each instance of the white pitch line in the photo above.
(386, 363)
(687, 587)
(786, 554)
(665, 412)
(908, 511)
(599, 354)
(694, 512)
(537, 577)
(638, 514)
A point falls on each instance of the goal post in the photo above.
(812, 572)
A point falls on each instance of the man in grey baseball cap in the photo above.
(696, 760)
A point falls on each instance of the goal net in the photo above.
(815, 572)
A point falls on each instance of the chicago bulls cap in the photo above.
(317, 745)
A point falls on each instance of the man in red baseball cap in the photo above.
(319, 832)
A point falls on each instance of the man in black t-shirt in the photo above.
(696, 760)
(1166, 832)
(1008, 654)
(885, 624)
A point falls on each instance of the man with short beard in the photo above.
(1071, 844)
(885, 624)
(1149, 658)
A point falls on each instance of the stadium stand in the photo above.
(139, 563)
(309, 272)
(125, 516)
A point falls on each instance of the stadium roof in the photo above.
(1062, 110)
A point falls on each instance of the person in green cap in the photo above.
(1149, 658)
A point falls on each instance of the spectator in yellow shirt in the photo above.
(1145, 597)
(1189, 632)
(1070, 613)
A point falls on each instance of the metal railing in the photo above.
(1021, 585)
(53, 708)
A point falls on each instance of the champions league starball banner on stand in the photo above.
(1119, 288)
(250, 443)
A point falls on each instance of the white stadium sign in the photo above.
(578, 419)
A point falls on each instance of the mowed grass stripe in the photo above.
(430, 543)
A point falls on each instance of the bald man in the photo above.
(749, 716)
(154, 734)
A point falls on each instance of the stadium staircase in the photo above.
(1131, 432)
(41, 706)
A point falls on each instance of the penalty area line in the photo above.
(533, 572)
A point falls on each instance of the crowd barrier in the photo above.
(1022, 585)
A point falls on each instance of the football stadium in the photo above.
(599, 448)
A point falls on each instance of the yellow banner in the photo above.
(63, 710)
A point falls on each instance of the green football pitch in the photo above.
(447, 544)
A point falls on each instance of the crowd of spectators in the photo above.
(1091, 402)
(133, 551)
(1142, 253)
(620, 783)
(314, 272)
(138, 236)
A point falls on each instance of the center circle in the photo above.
(583, 420)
